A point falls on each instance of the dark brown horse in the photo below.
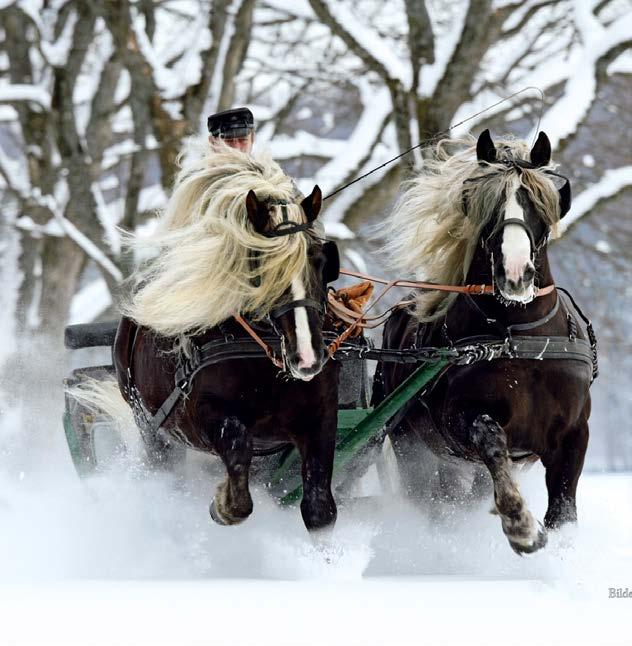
(234, 240)
(483, 216)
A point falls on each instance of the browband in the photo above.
(286, 227)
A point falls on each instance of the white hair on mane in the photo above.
(208, 253)
(429, 235)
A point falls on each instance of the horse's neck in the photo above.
(464, 314)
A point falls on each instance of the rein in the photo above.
(357, 320)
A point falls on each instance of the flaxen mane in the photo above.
(429, 234)
(207, 254)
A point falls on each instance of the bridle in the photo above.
(284, 228)
(519, 165)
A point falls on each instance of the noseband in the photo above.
(278, 312)
(286, 227)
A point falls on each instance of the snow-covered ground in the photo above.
(127, 558)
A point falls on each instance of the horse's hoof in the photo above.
(216, 516)
(523, 547)
(224, 519)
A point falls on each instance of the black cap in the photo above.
(231, 124)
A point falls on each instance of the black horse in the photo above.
(241, 407)
(492, 228)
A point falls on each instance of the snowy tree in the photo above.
(96, 98)
(414, 67)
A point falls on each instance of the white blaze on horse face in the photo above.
(516, 246)
(304, 347)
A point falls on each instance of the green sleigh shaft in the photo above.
(356, 429)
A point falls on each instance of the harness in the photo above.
(463, 352)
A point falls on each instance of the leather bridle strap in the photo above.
(266, 348)
(521, 223)
(277, 312)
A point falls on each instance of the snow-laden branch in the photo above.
(612, 182)
(563, 119)
(443, 52)
(56, 53)
(335, 213)
(106, 220)
(19, 92)
(365, 43)
(298, 8)
(303, 143)
(377, 107)
(89, 247)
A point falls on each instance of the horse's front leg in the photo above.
(232, 503)
(316, 445)
(563, 467)
(490, 442)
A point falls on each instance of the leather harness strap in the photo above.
(267, 349)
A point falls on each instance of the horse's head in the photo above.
(299, 314)
(526, 199)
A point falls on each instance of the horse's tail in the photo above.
(103, 397)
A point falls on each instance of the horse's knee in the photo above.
(488, 438)
(233, 443)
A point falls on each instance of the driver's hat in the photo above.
(231, 124)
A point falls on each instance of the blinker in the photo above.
(331, 270)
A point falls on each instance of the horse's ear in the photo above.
(485, 149)
(257, 213)
(312, 204)
(541, 151)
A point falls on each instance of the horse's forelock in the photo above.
(433, 236)
(204, 271)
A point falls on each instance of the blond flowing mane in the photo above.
(428, 233)
(207, 254)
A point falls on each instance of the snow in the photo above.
(603, 246)
(377, 106)
(304, 143)
(90, 248)
(14, 92)
(612, 182)
(622, 64)
(369, 40)
(56, 53)
(90, 302)
(139, 547)
(566, 114)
